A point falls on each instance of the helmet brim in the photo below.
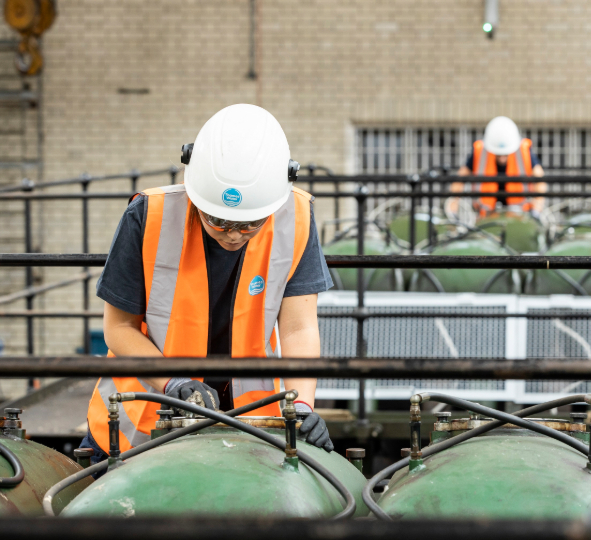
(504, 151)
(232, 213)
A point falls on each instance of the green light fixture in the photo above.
(491, 17)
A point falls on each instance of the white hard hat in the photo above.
(238, 169)
(501, 136)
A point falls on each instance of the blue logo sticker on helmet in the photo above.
(257, 286)
(232, 197)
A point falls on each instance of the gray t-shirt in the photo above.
(122, 282)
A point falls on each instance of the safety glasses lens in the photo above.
(222, 224)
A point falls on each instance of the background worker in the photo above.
(229, 263)
(502, 153)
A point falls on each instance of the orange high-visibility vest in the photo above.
(518, 164)
(177, 303)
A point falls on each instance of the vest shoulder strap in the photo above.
(173, 188)
(302, 193)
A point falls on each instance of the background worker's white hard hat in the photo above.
(501, 136)
(238, 169)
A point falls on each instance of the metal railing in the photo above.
(183, 527)
(356, 368)
(419, 188)
(25, 191)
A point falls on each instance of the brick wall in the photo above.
(324, 67)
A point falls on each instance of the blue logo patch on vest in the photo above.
(257, 285)
(232, 197)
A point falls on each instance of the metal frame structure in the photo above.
(25, 192)
(419, 189)
(185, 527)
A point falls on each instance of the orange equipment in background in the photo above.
(30, 18)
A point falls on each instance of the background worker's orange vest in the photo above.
(177, 303)
(518, 164)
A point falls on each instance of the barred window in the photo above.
(418, 149)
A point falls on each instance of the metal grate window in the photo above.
(411, 150)
(467, 337)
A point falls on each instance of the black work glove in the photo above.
(193, 392)
(317, 432)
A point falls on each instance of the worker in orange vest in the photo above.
(227, 263)
(501, 153)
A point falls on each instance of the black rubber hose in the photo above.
(350, 505)
(72, 479)
(507, 419)
(444, 445)
(214, 418)
(19, 472)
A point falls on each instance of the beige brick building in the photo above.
(126, 83)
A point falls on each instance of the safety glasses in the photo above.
(223, 225)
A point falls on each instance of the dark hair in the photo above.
(193, 212)
(193, 216)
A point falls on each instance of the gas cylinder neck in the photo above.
(291, 460)
(114, 448)
(416, 461)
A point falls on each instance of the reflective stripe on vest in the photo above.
(518, 164)
(166, 267)
(106, 387)
(177, 312)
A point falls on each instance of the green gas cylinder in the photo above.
(508, 474)
(43, 468)
(400, 227)
(221, 472)
(484, 280)
(580, 224)
(573, 240)
(521, 231)
(547, 282)
(376, 279)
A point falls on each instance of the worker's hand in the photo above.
(317, 432)
(193, 392)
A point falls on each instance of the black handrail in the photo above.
(533, 262)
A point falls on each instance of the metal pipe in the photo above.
(339, 314)
(184, 527)
(79, 179)
(431, 229)
(448, 179)
(364, 314)
(252, 74)
(86, 280)
(415, 458)
(64, 196)
(534, 262)
(465, 194)
(414, 187)
(134, 177)
(317, 194)
(426, 368)
(362, 193)
(330, 179)
(114, 460)
(291, 460)
(29, 285)
(33, 291)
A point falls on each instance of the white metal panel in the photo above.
(516, 335)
